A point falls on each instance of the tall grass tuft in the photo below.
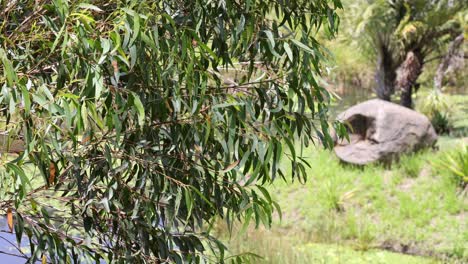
(456, 163)
(410, 165)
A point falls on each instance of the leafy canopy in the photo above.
(144, 121)
(389, 30)
(403, 25)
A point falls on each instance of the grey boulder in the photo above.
(381, 131)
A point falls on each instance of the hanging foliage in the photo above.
(136, 137)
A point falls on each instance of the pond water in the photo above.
(7, 240)
(348, 98)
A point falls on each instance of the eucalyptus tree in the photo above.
(399, 33)
(134, 143)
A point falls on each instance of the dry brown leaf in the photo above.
(10, 219)
(52, 172)
(85, 139)
(115, 66)
(231, 166)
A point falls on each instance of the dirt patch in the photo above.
(425, 172)
(462, 217)
(387, 177)
(407, 184)
(408, 249)
(415, 249)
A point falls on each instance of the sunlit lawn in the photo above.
(345, 214)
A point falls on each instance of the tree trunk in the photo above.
(405, 98)
(446, 61)
(407, 74)
(385, 75)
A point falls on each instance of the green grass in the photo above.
(275, 247)
(411, 164)
(356, 212)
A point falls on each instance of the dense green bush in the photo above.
(441, 122)
(436, 107)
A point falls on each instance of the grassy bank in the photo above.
(346, 214)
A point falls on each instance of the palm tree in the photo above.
(401, 34)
